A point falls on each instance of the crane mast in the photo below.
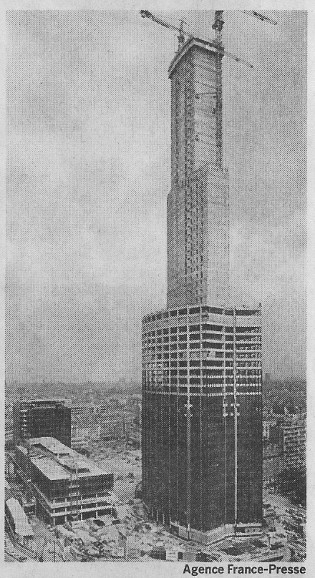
(217, 27)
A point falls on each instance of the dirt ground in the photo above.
(126, 466)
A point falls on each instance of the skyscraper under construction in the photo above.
(202, 398)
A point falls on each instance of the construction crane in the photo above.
(217, 26)
(182, 33)
(260, 16)
(219, 22)
(220, 51)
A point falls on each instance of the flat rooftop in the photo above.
(44, 400)
(58, 462)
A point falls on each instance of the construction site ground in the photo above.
(291, 517)
(125, 463)
(129, 535)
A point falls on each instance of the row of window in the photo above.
(208, 350)
(206, 336)
(152, 370)
(202, 390)
(200, 310)
(229, 367)
(195, 347)
(204, 327)
(194, 331)
(196, 357)
(205, 362)
(195, 340)
(244, 372)
(149, 384)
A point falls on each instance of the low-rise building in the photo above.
(67, 486)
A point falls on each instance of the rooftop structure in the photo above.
(57, 461)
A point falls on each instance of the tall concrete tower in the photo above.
(202, 400)
(198, 203)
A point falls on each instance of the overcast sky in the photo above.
(89, 172)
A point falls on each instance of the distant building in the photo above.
(284, 445)
(8, 419)
(273, 462)
(8, 437)
(83, 425)
(42, 417)
(268, 424)
(83, 434)
(294, 443)
(105, 421)
(66, 485)
(83, 411)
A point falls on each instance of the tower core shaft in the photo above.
(198, 203)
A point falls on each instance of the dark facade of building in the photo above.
(42, 417)
(202, 376)
(202, 412)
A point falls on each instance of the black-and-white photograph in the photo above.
(155, 364)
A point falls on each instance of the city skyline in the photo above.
(86, 197)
